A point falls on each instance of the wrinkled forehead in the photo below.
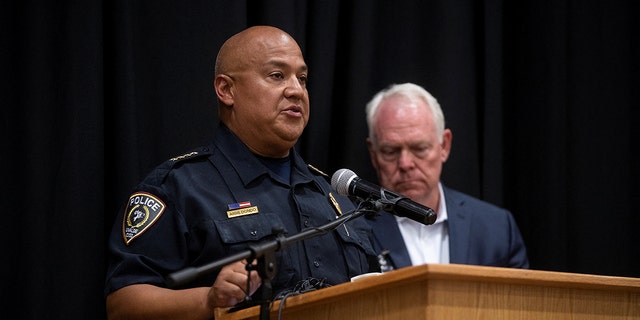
(400, 106)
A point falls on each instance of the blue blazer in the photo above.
(480, 233)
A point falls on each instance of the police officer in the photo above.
(215, 200)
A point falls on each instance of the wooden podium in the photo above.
(451, 291)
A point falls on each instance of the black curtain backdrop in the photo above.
(541, 97)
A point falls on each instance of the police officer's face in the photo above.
(271, 102)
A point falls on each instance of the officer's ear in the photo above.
(223, 85)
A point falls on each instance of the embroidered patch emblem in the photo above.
(142, 211)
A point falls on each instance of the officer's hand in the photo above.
(231, 284)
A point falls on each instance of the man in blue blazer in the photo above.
(408, 144)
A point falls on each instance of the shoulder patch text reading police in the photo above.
(142, 211)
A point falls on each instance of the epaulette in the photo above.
(195, 153)
(161, 171)
(188, 156)
(316, 170)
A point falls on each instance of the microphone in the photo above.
(347, 183)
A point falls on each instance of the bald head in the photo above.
(240, 51)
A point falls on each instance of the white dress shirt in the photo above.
(427, 243)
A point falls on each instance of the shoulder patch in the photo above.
(316, 170)
(142, 211)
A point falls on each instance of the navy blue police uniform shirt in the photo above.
(213, 201)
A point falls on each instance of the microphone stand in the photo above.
(264, 252)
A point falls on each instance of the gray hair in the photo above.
(411, 91)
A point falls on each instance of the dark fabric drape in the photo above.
(571, 112)
(541, 97)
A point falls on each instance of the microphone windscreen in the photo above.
(341, 180)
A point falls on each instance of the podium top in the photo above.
(452, 274)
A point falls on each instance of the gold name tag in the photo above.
(242, 212)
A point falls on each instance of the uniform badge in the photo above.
(241, 209)
(142, 211)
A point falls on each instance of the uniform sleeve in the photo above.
(147, 241)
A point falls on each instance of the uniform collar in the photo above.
(246, 164)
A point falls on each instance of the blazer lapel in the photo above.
(459, 225)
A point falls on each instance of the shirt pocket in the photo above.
(237, 234)
(245, 229)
